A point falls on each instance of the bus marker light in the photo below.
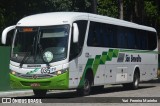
(27, 29)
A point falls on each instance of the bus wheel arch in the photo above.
(135, 81)
(88, 82)
(137, 70)
(89, 74)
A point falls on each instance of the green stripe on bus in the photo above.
(139, 51)
(88, 65)
(107, 56)
(96, 64)
(99, 59)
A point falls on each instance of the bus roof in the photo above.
(59, 18)
(52, 18)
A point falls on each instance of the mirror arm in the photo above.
(5, 31)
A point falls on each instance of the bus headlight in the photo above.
(62, 71)
(13, 72)
(59, 72)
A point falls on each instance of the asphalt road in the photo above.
(111, 95)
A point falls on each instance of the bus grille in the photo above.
(35, 76)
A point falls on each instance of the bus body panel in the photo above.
(109, 65)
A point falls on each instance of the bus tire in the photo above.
(136, 80)
(39, 92)
(86, 89)
(135, 84)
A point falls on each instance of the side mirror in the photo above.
(75, 33)
(5, 32)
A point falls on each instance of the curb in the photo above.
(22, 93)
(16, 93)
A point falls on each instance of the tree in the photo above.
(121, 9)
(94, 6)
(108, 7)
(146, 12)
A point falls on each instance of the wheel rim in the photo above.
(86, 86)
(136, 82)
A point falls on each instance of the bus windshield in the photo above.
(40, 45)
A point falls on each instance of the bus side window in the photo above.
(144, 41)
(152, 40)
(82, 26)
(136, 45)
(94, 39)
(121, 37)
(131, 39)
(90, 35)
(98, 34)
(105, 39)
(109, 37)
(114, 43)
(93, 35)
(76, 48)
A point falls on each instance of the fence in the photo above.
(4, 68)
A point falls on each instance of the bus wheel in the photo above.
(135, 84)
(85, 90)
(136, 80)
(39, 92)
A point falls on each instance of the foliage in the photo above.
(108, 7)
(1, 18)
(151, 9)
(145, 12)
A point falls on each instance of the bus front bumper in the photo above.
(56, 82)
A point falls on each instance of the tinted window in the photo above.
(152, 41)
(102, 35)
(76, 48)
(106, 35)
(131, 39)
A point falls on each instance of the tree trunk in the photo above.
(139, 11)
(158, 4)
(94, 6)
(121, 9)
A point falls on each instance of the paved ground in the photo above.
(105, 97)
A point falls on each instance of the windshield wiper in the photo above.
(27, 54)
(24, 59)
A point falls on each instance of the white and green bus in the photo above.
(72, 50)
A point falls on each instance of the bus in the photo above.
(82, 51)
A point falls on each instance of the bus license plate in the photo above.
(35, 85)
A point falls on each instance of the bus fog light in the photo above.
(13, 72)
(59, 72)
